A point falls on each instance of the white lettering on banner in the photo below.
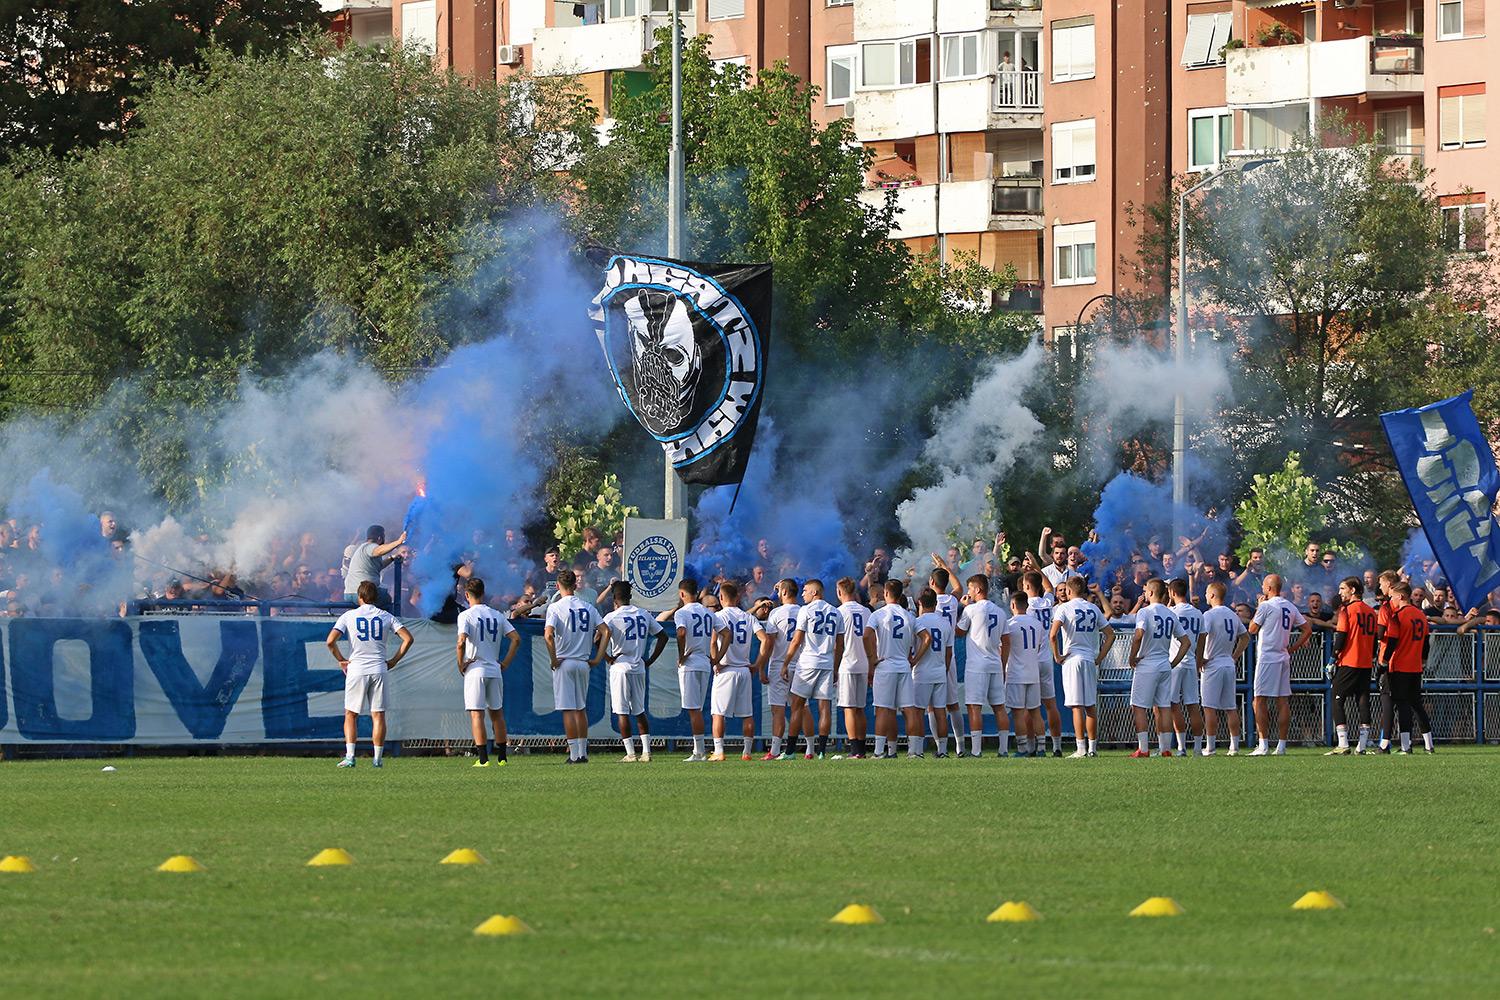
(1449, 468)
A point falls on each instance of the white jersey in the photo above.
(781, 626)
(483, 629)
(1054, 576)
(932, 668)
(368, 629)
(1277, 618)
(1223, 628)
(1042, 608)
(981, 625)
(820, 624)
(1024, 664)
(1082, 625)
(1191, 620)
(630, 632)
(573, 622)
(741, 626)
(949, 608)
(1157, 627)
(856, 620)
(697, 626)
(895, 631)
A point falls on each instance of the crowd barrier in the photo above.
(168, 680)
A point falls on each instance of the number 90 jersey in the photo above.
(367, 628)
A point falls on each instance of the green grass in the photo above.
(666, 880)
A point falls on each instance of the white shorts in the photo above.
(570, 686)
(627, 689)
(893, 690)
(1273, 678)
(812, 684)
(1020, 697)
(694, 685)
(1218, 686)
(1185, 683)
(854, 688)
(731, 697)
(955, 689)
(930, 695)
(1046, 681)
(1151, 689)
(984, 688)
(481, 692)
(778, 691)
(1080, 682)
(365, 693)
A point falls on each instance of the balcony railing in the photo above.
(1018, 90)
(1401, 54)
(1000, 6)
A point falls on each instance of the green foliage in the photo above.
(1281, 514)
(605, 511)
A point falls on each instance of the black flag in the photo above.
(686, 346)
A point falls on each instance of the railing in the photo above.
(1017, 197)
(1018, 90)
(998, 6)
(1396, 55)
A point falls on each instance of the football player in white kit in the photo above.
(931, 659)
(1187, 716)
(1272, 627)
(948, 606)
(480, 629)
(1086, 638)
(982, 624)
(1040, 603)
(895, 630)
(781, 625)
(365, 671)
(623, 638)
(817, 645)
(732, 694)
(570, 634)
(1152, 660)
(1021, 651)
(1220, 647)
(857, 666)
(695, 633)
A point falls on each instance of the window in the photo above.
(1020, 49)
(840, 3)
(896, 64)
(723, 10)
(740, 61)
(1206, 35)
(1310, 25)
(1461, 116)
(1073, 49)
(1210, 137)
(634, 8)
(1073, 152)
(419, 25)
(1463, 227)
(1451, 19)
(843, 70)
(1073, 253)
(960, 57)
(1274, 128)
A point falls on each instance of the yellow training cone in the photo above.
(856, 913)
(330, 856)
(498, 926)
(1011, 912)
(180, 863)
(1158, 906)
(17, 863)
(463, 856)
(1318, 900)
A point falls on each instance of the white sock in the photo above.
(1343, 732)
(1056, 743)
(976, 744)
(1385, 743)
(718, 745)
(1405, 743)
(1281, 746)
(1093, 746)
(349, 750)
(1262, 744)
(1364, 738)
(809, 738)
(1083, 742)
(879, 745)
(1181, 741)
(1197, 743)
(1213, 741)
(698, 745)
(1142, 741)
(1004, 742)
(629, 742)
(645, 739)
(1164, 743)
(931, 723)
(776, 742)
(379, 752)
(1234, 743)
(749, 744)
(1427, 740)
(956, 727)
(915, 745)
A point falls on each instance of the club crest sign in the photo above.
(653, 560)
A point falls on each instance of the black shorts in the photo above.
(1350, 681)
(1406, 686)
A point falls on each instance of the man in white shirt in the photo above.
(368, 629)
(695, 633)
(982, 624)
(1220, 647)
(734, 630)
(931, 659)
(895, 631)
(949, 607)
(1187, 716)
(857, 667)
(623, 638)
(1040, 603)
(1086, 638)
(1152, 660)
(781, 626)
(570, 634)
(480, 630)
(1272, 627)
(817, 646)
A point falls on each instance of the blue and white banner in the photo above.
(655, 554)
(1450, 473)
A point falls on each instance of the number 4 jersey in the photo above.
(367, 628)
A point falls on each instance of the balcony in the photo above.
(916, 209)
(1013, 196)
(1378, 67)
(594, 48)
(901, 113)
(1017, 90)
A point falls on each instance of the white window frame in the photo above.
(1071, 72)
(721, 17)
(897, 46)
(1070, 238)
(1446, 36)
(836, 53)
(1074, 176)
(840, 3)
(1462, 211)
(616, 10)
(428, 8)
(1194, 115)
(963, 40)
(1463, 103)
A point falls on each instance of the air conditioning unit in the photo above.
(1347, 4)
(508, 55)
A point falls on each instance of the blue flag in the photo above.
(1450, 473)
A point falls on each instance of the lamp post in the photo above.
(673, 502)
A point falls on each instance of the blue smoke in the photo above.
(1132, 511)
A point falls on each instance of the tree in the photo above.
(71, 71)
(1281, 514)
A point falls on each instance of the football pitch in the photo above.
(666, 879)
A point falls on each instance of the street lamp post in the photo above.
(673, 503)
